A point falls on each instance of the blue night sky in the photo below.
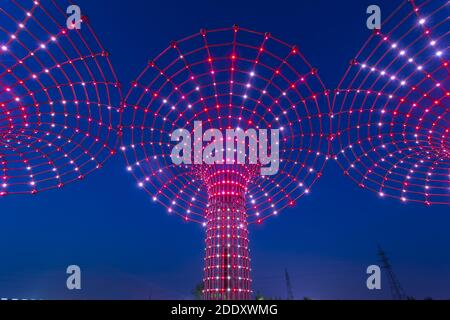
(128, 247)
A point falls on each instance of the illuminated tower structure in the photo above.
(210, 84)
(59, 98)
(392, 108)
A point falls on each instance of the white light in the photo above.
(421, 21)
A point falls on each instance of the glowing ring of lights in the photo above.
(392, 107)
(228, 78)
(59, 98)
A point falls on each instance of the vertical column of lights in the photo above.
(392, 107)
(59, 98)
(229, 78)
(227, 258)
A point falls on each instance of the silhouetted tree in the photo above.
(198, 291)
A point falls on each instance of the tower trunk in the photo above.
(227, 255)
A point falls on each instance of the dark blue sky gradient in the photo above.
(129, 247)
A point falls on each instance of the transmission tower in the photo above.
(290, 294)
(396, 289)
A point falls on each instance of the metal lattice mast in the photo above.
(290, 293)
(396, 289)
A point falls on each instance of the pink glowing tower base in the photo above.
(227, 258)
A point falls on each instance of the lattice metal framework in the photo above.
(237, 79)
(59, 98)
(392, 107)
